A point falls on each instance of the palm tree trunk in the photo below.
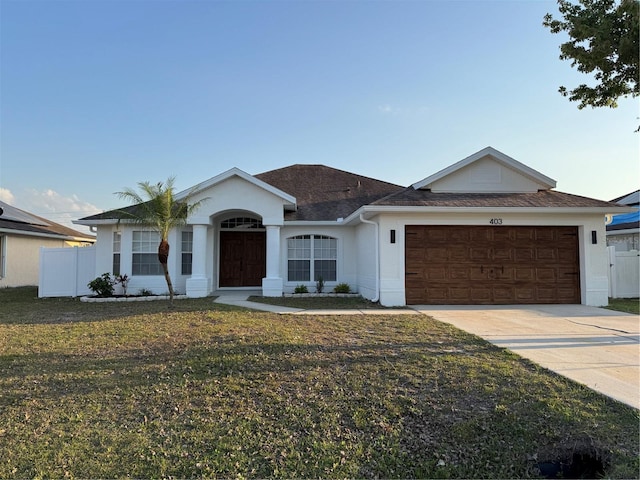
(163, 256)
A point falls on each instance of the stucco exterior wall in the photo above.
(22, 257)
(593, 257)
(366, 261)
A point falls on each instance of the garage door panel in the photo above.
(478, 274)
(458, 253)
(566, 256)
(546, 235)
(546, 275)
(525, 295)
(459, 273)
(525, 255)
(479, 236)
(458, 293)
(485, 265)
(435, 254)
(479, 254)
(546, 254)
(524, 274)
(435, 273)
(480, 295)
(503, 293)
(564, 295)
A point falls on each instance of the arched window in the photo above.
(311, 257)
(241, 223)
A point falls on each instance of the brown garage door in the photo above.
(491, 265)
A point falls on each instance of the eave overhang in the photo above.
(370, 211)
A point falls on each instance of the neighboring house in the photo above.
(486, 230)
(623, 230)
(21, 236)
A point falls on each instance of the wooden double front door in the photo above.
(242, 258)
(491, 265)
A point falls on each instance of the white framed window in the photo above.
(310, 257)
(187, 252)
(117, 243)
(145, 253)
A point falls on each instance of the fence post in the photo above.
(613, 273)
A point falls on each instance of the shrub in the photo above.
(145, 292)
(320, 284)
(342, 288)
(301, 289)
(102, 286)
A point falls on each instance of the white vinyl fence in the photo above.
(65, 272)
(624, 273)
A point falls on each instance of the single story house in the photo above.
(485, 230)
(22, 234)
(623, 230)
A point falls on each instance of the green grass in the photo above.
(629, 305)
(204, 390)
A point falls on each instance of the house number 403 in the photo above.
(495, 221)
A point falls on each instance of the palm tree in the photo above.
(157, 208)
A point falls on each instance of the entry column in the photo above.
(272, 284)
(198, 283)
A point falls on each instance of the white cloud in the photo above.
(6, 196)
(394, 110)
(53, 206)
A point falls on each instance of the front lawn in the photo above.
(629, 305)
(205, 390)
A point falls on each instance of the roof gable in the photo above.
(289, 200)
(486, 171)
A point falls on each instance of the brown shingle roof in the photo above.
(543, 198)
(325, 193)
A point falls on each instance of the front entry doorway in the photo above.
(242, 258)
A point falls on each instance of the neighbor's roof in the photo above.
(325, 193)
(17, 221)
(632, 198)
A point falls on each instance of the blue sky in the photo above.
(96, 96)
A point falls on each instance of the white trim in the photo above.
(496, 155)
(376, 209)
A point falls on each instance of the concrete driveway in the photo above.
(594, 346)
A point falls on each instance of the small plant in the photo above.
(123, 280)
(319, 284)
(301, 289)
(145, 292)
(102, 286)
(342, 288)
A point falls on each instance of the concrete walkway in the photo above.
(239, 299)
(597, 347)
